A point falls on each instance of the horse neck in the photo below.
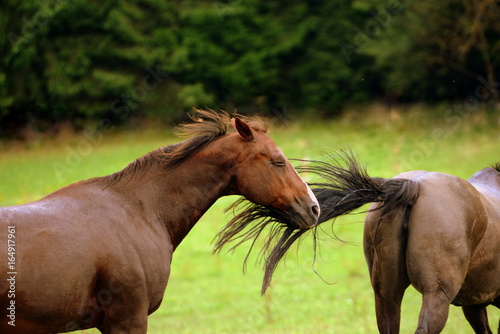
(176, 197)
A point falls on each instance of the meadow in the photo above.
(209, 293)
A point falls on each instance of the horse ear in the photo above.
(243, 128)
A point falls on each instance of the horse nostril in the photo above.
(315, 210)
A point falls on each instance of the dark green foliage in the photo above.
(88, 61)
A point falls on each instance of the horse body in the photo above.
(445, 243)
(97, 253)
(434, 231)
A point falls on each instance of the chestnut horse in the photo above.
(435, 231)
(97, 253)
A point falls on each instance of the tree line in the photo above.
(84, 61)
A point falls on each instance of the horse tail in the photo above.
(344, 189)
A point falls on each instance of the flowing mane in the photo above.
(205, 126)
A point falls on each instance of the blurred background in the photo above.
(88, 86)
(81, 63)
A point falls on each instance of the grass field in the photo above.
(209, 293)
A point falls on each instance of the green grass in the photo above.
(209, 293)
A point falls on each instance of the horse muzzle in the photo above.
(305, 212)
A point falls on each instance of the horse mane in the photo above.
(204, 127)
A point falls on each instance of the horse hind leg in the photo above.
(388, 309)
(434, 313)
(389, 287)
(439, 283)
(387, 267)
(477, 317)
(438, 279)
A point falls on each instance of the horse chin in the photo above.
(304, 213)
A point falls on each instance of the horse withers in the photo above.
(435, 231)
(97, 253)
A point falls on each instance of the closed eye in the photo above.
(279, 163)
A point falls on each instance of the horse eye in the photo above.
(279, 163)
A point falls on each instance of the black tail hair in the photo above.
(344, 189)
(341, 190)
(249, 223)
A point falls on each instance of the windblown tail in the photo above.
(344, 189)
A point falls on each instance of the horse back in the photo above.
(487, 182)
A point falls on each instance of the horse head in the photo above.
(263, 175)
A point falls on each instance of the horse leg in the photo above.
(438, 275)
(434, 313)
(477, 318)
(124, 306)
(121, 320)
(387, 267)
(388, 306)
(438, 278)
